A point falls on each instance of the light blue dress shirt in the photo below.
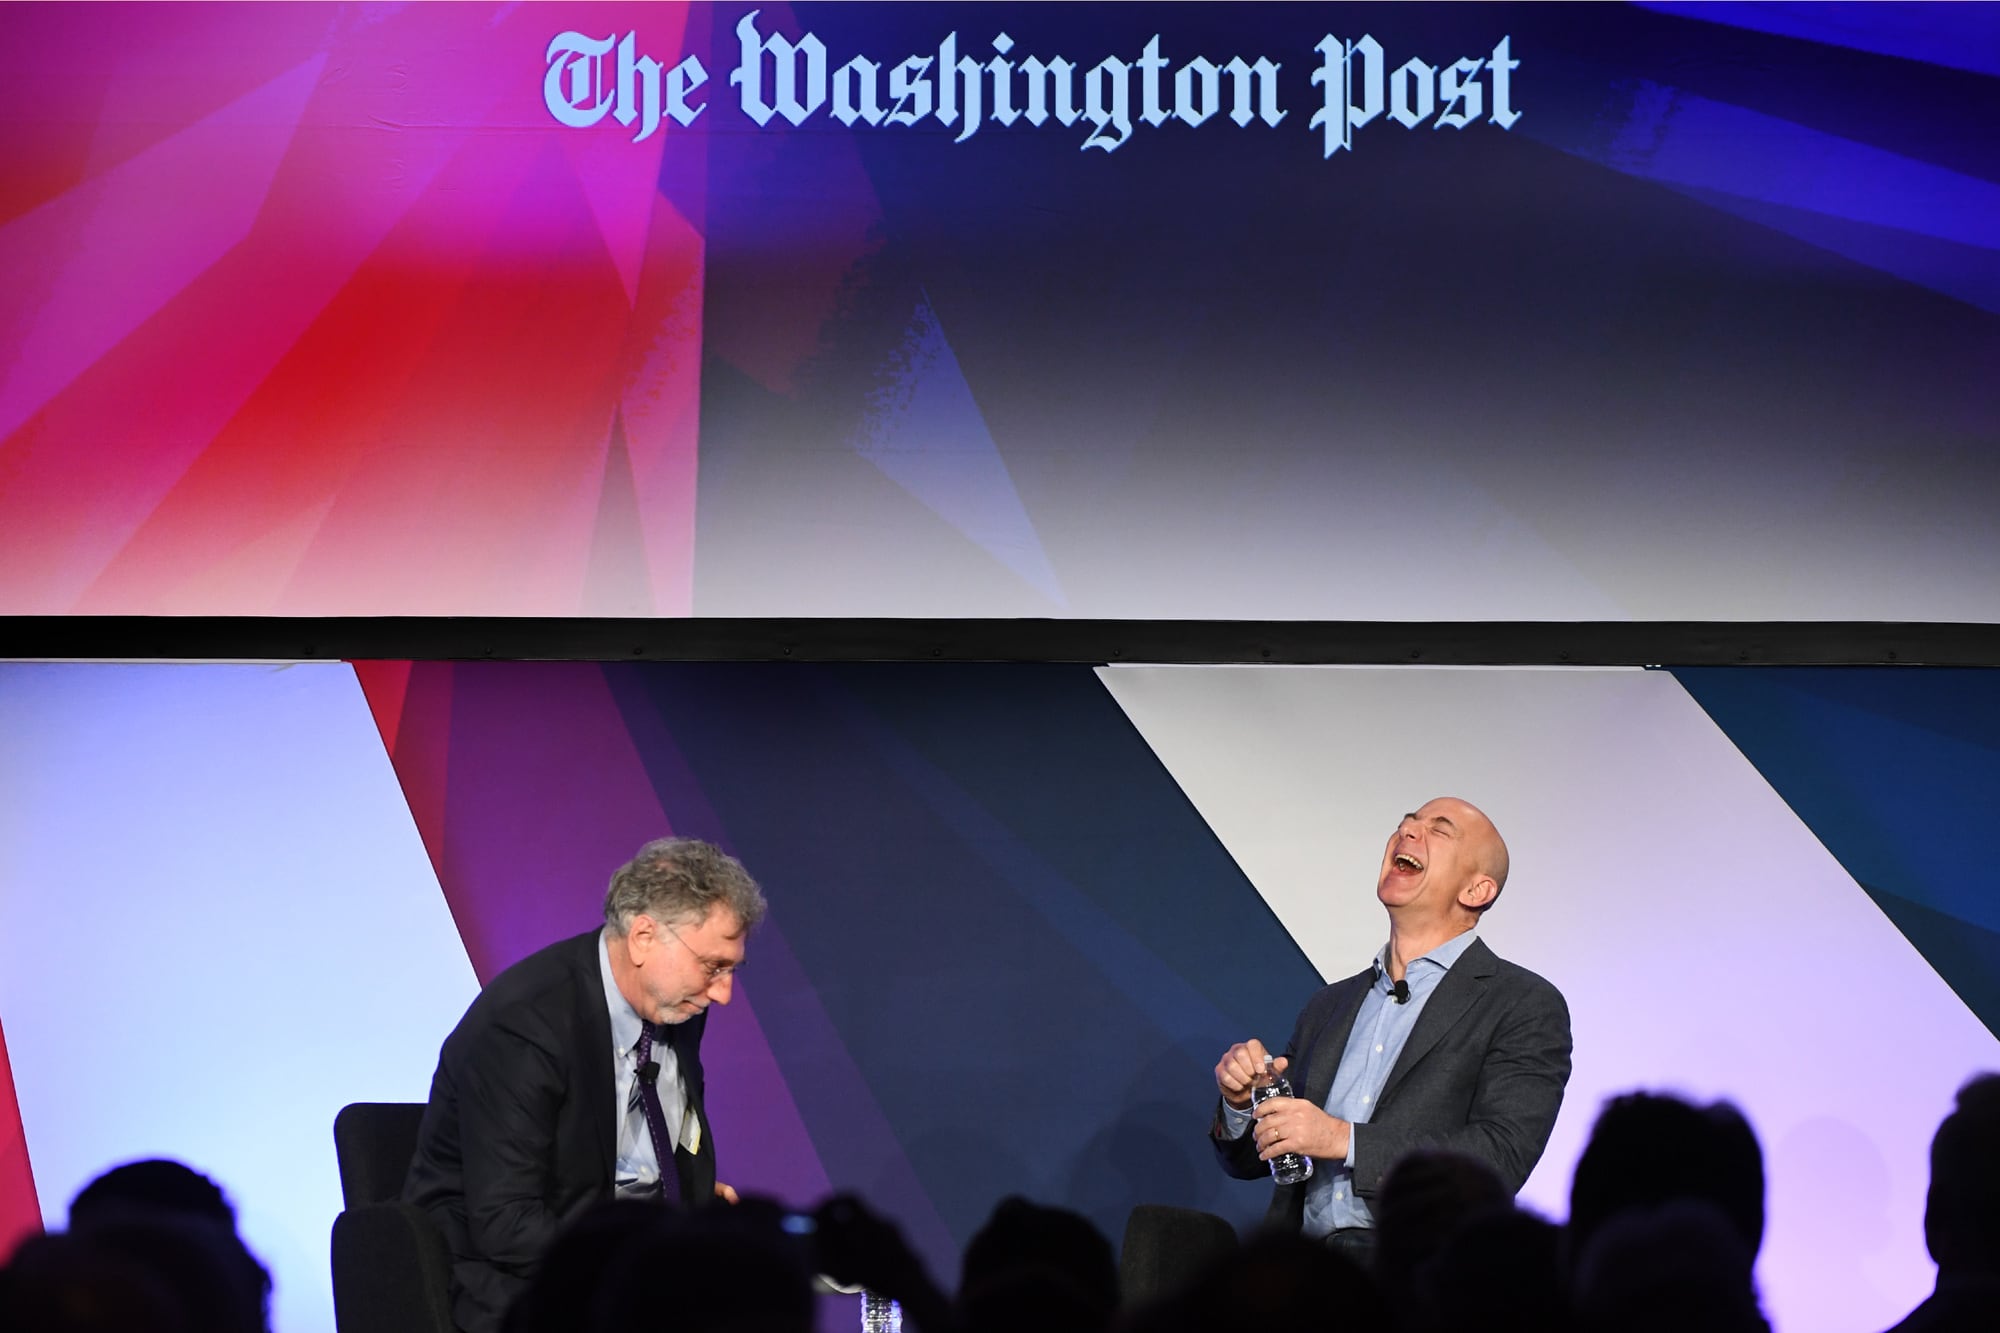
(1381, 1029)
(637, 1169)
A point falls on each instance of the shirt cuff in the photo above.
(1235, 1123)
(1350, 1146)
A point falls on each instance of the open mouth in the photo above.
(1407, 864)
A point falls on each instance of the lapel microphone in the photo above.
(1398, 990)
(649, 1073)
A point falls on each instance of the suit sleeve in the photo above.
(510, 1095)
(698, 1175)
(1514, 1102)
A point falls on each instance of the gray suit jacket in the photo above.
(1483, 1074)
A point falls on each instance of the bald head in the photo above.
(1488, 847)
(1445, 857)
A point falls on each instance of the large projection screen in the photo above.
(1382, 313)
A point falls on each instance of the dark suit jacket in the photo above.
(1483, 1074)
(520, 1135)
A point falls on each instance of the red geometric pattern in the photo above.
(312, 312)
(20, 1212)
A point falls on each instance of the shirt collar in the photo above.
(625, 1022)
(1442, 957)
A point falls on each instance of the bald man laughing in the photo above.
(1437, 1043)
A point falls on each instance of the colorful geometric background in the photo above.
(315, 310)
(1017, 911)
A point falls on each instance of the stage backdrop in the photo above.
(1133, 310)
(1017, 912)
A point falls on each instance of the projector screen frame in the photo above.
(1207, 642)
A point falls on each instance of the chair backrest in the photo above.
(1166, 1248)
(374, 1142)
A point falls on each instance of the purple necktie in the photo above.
(656, 1119)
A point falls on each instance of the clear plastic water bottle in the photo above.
(1286, 1168)
(879, 1314)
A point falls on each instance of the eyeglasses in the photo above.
(716, 971)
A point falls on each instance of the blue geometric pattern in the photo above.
(1897, 771)
(1956, 36)
(923, 429)
(1868, 203)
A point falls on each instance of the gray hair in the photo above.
(678, 880)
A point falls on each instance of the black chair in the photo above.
(1166, 1248)
(391, 1271)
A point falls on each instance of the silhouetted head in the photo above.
(1425, 1197)
(153, 1186)
(1962, 1210)
(1032, 1266)
(1501, 1272)
(151, 1270)
(715, 1270)
(1279, 1281)
(574, 1267)
(71, 1284)
(158, 1208)
(1683, 1265)
(1647, 1149)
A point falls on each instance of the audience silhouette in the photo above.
(154, 1186)
(1962, 1216)
(1656, 1242)
(151, 1246)
(1668, 1268)
(1714, 1158)
(1427, 1197)
(1036, 1267)
(1501, 1272)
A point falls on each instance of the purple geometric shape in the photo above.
(547, 798)
(868, 1158)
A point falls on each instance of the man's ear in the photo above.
(1481, 891)
(641, 936)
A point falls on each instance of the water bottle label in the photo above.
(1291, 1168)
(879, 1314)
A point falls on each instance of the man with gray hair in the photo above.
(575, 1077)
